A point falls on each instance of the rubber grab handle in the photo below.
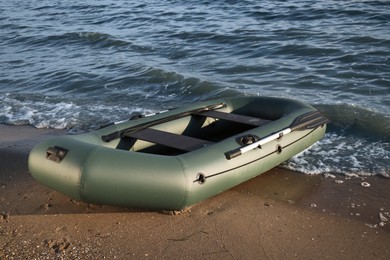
(233, 154)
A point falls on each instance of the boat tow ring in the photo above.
(200, 178)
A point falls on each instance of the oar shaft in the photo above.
(239, 151)
(265, 140)
(309, 120)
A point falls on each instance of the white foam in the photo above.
(47, 113)
(347, 155)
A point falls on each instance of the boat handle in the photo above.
(56, 153)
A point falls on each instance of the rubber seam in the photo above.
(83, 166)
(187, 191)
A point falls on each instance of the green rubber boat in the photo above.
(174, 159)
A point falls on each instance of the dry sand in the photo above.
(278, 215)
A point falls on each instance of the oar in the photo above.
(309, 120)
(123, 132)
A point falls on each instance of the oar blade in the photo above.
(309, 120)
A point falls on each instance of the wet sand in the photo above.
(280, 214)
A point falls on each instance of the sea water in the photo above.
(76, 65)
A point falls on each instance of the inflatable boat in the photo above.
(174, 159)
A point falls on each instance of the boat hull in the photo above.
(87, 167)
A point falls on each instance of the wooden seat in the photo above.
(181, 142)
(247, 120)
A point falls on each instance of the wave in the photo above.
(356, 120)
(83, 39)
(357, 142)
(343, 154)
(90, 39)
(61, 113)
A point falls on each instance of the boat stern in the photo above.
(57, 164)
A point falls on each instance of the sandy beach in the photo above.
(278, 215)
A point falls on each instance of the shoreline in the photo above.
(278, 214)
